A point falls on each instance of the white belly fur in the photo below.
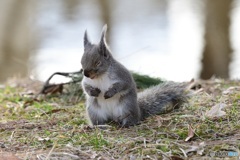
(109, 108)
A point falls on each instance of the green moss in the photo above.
(144, 81)
(163, 148)
(182, 133)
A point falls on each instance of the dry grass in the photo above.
(55, 127)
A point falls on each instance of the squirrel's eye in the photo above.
(98, 63)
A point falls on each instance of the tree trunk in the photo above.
(105, 8)
(217, 51)
(15, 37)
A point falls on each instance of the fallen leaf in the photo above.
(30, 102)
(190, 133)
(53, 111)
(201, 148)
(194, 85)
(231, 90)
(196, 148)
(216, 111)
(94, 155)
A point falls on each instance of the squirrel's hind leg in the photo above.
(130, 121)
(131, 114)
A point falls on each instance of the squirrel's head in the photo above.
(97, 57)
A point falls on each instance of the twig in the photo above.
(48, 156)
(11, 137)
(184, 153)
(46, 85)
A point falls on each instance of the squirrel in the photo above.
(111, 94)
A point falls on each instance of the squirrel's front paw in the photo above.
(110, 93)
(95, 92)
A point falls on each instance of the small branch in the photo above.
(54, 88)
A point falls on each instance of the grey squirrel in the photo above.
(111, 93)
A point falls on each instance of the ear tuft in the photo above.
(103, 44)
(104, 31)
(86, 42)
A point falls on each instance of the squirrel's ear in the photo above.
(86, 42)
(102, 44)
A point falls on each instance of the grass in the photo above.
(51, 126)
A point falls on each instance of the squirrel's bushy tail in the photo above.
(162, 98)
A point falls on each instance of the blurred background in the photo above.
(172, 39)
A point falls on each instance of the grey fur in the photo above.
(111, 91)
(162, 98)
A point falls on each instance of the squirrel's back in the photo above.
(162, 98)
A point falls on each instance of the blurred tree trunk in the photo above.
(70, 8)
(15, 37)
(217, 51)
(105, 8)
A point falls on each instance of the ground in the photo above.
(55, 126)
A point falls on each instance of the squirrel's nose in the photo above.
(86, 73)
